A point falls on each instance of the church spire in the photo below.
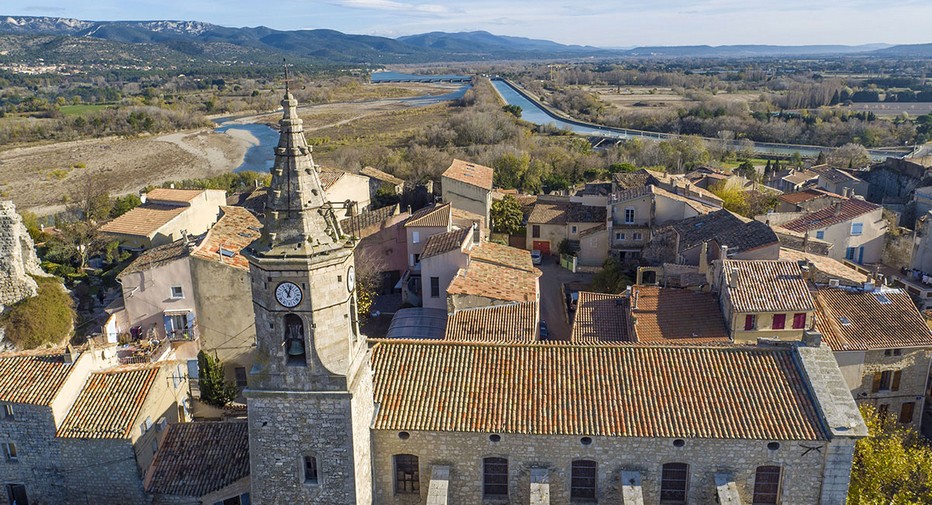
(299, 221)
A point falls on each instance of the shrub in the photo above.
(215, 390)
(43, 319)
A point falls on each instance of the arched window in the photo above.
(674, 480)
(295, 351)
(407, 476)
(495, 478)
(583, 480)
(767, 485)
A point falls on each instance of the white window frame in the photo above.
(573, 230)
(416, 237)
(637, 236)
(633, 215)
(179, 296)
(10, 451)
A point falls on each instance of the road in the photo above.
(552, 299)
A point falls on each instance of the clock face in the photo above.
(288, 294)
(351, 279)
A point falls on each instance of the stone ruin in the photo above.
(18, 258)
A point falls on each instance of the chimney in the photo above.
(70, 355)
(142, 196)
(724, 252)
(733, 278)
(847, 192)
(812, 338)
(837, 206)
(804, 269)
(704, 258)
(476, 236)
(869, 286)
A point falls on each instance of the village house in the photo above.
(165, 216)
(843, 182)
(382, 183)
(494, 275)
(806, 200)
(79, 428)
(792, 179)
(683, 241)
(347, 192)
(468, 186)
(634, 215)
(853, 226)
(882, 344)
(555, 219)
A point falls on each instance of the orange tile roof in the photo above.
(502, 323)
(829, 216)
(767, 286)
(507, 256)
(173, 195)
(852, 319)
(470, 173)
(445, 242)
(380, 175)
(195, 459)
(144, 220)
(600, 318)
(496, 282)
(32, 376)
(828, 266)
(677, 316)
(807, 194)
(438, 216)
(109, 404)
(235, 230)
(548, 212)
(329, 177)
(622, 391)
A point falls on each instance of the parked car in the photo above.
(536, 257)
(544, 330)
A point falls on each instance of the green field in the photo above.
(77, 110)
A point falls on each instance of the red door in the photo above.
(543, 246)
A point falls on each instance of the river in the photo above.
(262, 139)
(532, 112)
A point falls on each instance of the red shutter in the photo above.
(799, 321)
(896, 380)
(749, 322)
(779, 321)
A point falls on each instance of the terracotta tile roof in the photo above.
(503, 323)
(109, 403)
(236, 229)
(144, 220)
(623, 391)
(432, 216)
(32, 376)
(357, 224)
(579, 213)
(156, 257)
(173, 195)
(380, 175)
(592, 231)
(445, 242)
(726, 229)
(807, 195)
(767, 286)
(628, 180)
(677, 316)
(702, 207)
(470, 173)
(853, 319)
(498, 254)
(799, 177)
(496, 282)
(195, 459)
(329, 177)
(600, 318)
(253, 199)
(832, 268)
(847, 210)
(549, 211)
(633, 193)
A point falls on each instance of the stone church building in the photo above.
(333, 420)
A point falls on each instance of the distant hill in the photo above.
(180, 44)
(906, 51)
(750, 51)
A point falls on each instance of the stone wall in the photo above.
(101, 471)
(17, 258)
(913, 365)
(39, 464)
(802, 463)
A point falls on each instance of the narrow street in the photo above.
(552, 298)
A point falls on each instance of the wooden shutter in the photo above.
(896, 380)
(906, 412)
(876, 384)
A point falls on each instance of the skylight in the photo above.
(882, 298)
(844, 321)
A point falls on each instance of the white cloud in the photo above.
(390, 5)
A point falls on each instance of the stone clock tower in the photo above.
(310, 390)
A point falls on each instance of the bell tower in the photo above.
(310, 390)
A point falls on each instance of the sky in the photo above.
(602, 23)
